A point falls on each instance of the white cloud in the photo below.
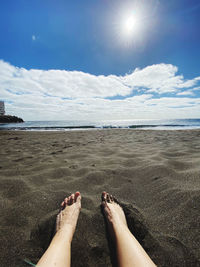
(60, 94)
(196, 88)
(186, 93)
(160, 78)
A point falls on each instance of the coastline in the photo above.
(155, 175)
(170, 124)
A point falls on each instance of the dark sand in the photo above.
(155, 175)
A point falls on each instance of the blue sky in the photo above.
(68, 59)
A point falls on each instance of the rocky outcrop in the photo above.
(9, 119)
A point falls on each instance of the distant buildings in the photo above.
(2, 108)
(7, 118)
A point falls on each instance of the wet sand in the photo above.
(154, 174)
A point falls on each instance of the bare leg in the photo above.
(59, 251)
(129, 251)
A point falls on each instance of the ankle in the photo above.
(119, 227)
(66, 233)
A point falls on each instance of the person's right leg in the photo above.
(129, 251)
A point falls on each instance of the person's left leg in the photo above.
(59, 251)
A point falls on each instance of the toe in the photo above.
(62, 205)
(72, 199)
(115, 200)
(77, 195)
(66, 201)
(108, 198)
(111, 198)
(69, 200)
(104, 196)
(78, 199)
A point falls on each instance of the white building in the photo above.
(2, 108)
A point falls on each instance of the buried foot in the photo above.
(113, 212)
(68, 216)
(129, 252)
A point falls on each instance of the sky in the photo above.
(99, 60)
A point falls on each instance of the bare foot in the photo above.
(113, 212)
(68, 216)
(129, 252)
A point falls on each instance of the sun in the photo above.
(130, 25)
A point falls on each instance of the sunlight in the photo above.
(130, 25)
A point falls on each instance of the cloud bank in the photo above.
(155, 91)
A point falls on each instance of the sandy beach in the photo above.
(154, 174)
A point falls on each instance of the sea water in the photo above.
(172, 124)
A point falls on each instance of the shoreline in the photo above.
(154, 129)
(170, 124)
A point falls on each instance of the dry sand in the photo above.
(155, 175)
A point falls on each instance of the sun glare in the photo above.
(130, 25)
(131, 22)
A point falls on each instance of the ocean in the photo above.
(173, 124)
